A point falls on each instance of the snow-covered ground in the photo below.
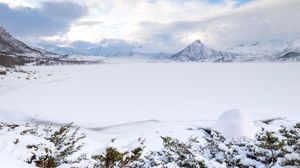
(131, 100)
(110, 94)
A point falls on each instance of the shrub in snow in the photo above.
(113, 158)
(292, 146)
(274, 149)
(190, 154)
(59, 145)
(271, 147)
(174, 154)
(268, 149)
(42, 155)
(234, 124)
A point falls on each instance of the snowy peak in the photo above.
(198, 51)
(2, 30)
(198, 42)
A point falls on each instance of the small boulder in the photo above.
(235, 124)
(2, 71)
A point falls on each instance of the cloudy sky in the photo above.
(157, 25)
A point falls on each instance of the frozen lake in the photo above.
(110, 94)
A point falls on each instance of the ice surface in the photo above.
(110, 94)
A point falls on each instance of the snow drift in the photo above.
(234, 124)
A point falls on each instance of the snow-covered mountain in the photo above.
(259, 48)
(106, 48)
(292, 52)
(198, 51)
(14, 52)
(12, 46)
(260, 51)
(272, 50)
(94, 51)
(111, 48)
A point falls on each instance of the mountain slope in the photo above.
(12, 46)
(292, 52)
(197, 51)
(14, 52)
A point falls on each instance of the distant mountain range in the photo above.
(273, 50)
(269, 51)
(106, 48)
(89, 49)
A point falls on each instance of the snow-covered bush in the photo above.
(114, 158)
(175, 154)
(58, 146)
(268, 149)
(42, 155)
(273, 146)
(292, 146)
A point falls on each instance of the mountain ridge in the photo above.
(12, 46)
(272, 51)
(198, 51)
(14, 52)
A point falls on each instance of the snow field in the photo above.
(110, 94)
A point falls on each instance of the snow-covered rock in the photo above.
(235, 124)
(2, 70)
(198, 51)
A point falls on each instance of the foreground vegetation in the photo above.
(50, 147)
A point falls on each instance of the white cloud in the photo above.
(259, 20)
(16, 3)
(169, 25)
(51, 18)
(123, 19)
